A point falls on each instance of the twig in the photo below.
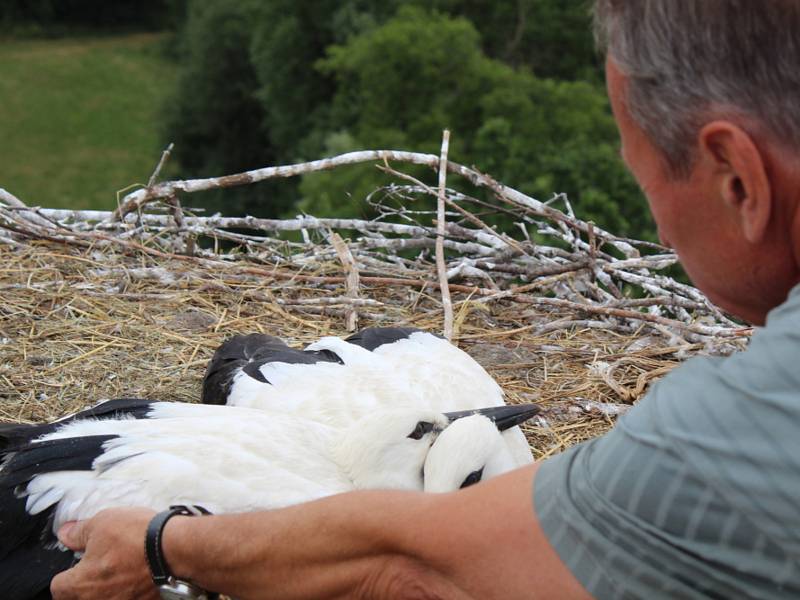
(137, 199)
(340, 301)
(164, 157)
(501, 237)
(635, 315)
(28, 213)
(441, 267)
(351, 278)
(164, 190)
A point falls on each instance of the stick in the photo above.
(11, 200)
(441, 267)
(136, 199)
(506, 240)
(164, 157)
(577, 275)
(351, 278)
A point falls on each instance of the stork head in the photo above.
(467, 451)
(387, 449)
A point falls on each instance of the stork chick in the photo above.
(140, 453)
(339, 380)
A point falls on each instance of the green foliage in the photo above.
(339, 193)
(516, 81)
(400, 84)
(249, 94)
(551, 38)
(287, 41)
(547, 136)
(407, 79)
(215, 118)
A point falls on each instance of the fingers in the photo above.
(113, 565)
(74, 535)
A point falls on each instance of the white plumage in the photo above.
(232, 459)
(450, 459)
(377, 369)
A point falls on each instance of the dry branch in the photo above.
(161, 162)
(441, 268)
(351, 278)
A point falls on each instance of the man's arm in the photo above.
(482, 542)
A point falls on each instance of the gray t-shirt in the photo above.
(696, 491)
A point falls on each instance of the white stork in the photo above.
(132, 452)
(338, 380)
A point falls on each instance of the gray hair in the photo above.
(689, 61)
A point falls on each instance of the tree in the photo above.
(551, 38)
(515, 80)
(400, 84)
(215, 118)
(289, 38)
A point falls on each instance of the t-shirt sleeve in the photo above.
(695, 492)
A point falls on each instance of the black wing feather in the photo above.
(21, 464)
(29, 558)
(249, 353)
(114, 409)
(29, 555)
(26, 574)
(14, 434)
(374, 337)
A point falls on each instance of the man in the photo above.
(694, 493)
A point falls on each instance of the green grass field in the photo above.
(79, 118)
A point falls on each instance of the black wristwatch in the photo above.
(169, 587)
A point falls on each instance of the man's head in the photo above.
(707, 97)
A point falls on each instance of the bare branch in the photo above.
(351, 278)
(447, 303)
(164, 157)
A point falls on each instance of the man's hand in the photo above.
(113, 566)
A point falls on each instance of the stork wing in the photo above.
(247, 354)
(142, 453)
(337, 381)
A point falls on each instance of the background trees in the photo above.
(263, 82)
(517, 82)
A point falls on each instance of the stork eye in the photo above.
(473, 478)
(421, 429)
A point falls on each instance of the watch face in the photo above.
(180, 590)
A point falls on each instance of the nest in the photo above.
(133, 303)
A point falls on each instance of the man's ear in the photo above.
(738, 176)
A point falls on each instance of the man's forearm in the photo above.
(352, 545)
(483, 542)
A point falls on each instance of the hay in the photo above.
(100, 305)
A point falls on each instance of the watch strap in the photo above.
(159, 570)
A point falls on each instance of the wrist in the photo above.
(177, 549)
(170, 585)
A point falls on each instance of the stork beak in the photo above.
(503, 417)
